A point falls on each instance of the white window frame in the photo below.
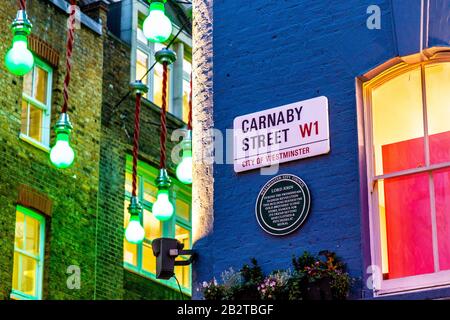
(412, 283)
(18, 295)
(46, 108)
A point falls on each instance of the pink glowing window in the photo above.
(409, 167)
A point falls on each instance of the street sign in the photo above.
(291, 132)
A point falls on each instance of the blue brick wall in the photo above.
(269, 53)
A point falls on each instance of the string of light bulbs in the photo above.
(157, 28)
(134, 232)
(62, 155)
(162, 209)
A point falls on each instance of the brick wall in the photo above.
(73, 192)
(113, 282)
(85, 219)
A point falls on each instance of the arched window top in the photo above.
(398, 65)
(407, 139)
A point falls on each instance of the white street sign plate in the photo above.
(291, 132)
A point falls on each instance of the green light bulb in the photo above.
(135, 232)
(19, 60)
(184, 168)
(157, 26)
(62, 154)
(163, 208)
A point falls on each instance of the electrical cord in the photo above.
(179, 287)
(22, 4)
(162, 163)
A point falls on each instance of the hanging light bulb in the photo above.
(134, 232)
(62, 154)
(162, 208)
(184, 168)
(19, 60)
(157, 26)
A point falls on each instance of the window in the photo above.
(142, 66)
(140, 32)
(139, 258)
(407, 109)
(28, 255)
(178, 89)
(187, 69)
(36, 105)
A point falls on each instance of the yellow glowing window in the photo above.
(140, 258)
(141, 67)
(140, 33)
(409, 166)
(36, 104)
(28, 255)
(187, 69)
(183, 209)
(130, 253)
(183, 273)
(186, 97)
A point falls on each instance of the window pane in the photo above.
(35, 128)
(28, 276)
(41, 81)
(187, 68)
(15, 283)
(405, 202)
(438, 106)
(141, 65)
(28, 83)
(398, 124)
(140, 36)
(20, 227)
(157, 85)
(159, 46)
(152, 226)
(148, 259)
(129, 252)
(183, 236)
(442, 192)
(126, 214)
(32, 236)
(150, 191)
(24, 118)
(186, 94)
(182, 209)
(140, 33)
(129, 181)
(141, 68)
(183, 275)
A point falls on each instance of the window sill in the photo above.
(17, 295)
(152, 277)
(34, 143)
(414, 284)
